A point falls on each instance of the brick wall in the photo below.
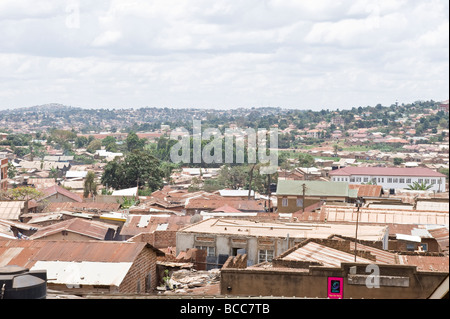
(239, 261)
(164, 238)
(401, 245)
(158, 239)
(313, 283)
(136, 280)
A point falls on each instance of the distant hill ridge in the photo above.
(50, 107)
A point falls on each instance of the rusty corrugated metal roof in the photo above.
(89, 228)
(25, 253)
(367, 190)
(210, 204)
(77, 206)
(426, 263)
(382, 256)
(11, 209)
(55, 189)
(326, 256)
(149, 223)
(383, 216)
(441, 235)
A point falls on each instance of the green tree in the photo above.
(94, 146)
(81, 141)
(138, 168)
(113, 175)
(134, 143)
(111, 147)
(63, 138)
(108, 140)
(416, 186)
(12, 171)
(90, 186)
(24, 193)
(398, 161)
(168, 168)
(306, 160)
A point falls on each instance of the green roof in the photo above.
(315, 188)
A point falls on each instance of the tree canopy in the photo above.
(138, 168)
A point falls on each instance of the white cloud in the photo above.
(107, 38)
(289, 53)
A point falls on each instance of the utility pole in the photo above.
(358, 205)
(269, 200)
(303, 195)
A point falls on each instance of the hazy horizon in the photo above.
(205, 108)
(229, 54)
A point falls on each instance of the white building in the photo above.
(390, 177)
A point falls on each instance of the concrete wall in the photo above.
(396, 282)
(383, 181)
(224, 244)
(292, 206)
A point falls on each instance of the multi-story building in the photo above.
(390, 177)
(4, 174)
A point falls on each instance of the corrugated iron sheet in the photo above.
(149, 223)
(324, 255)
(96, 230)
(426, 263)
(84, 273)
(11, 209)
(382, 256)
(76, 206)
(382, 216)
(441, 235)
(367, 190)
(25, 253)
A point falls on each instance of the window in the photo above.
(299, 202)
(424, 247)
(284, 202)
(395, 180)
(366, 179)
(420, 180)
(410, 247)
(265, 255)
(402, 180)
(389, 180)
(427, 181)
(408, 180)
(352, 179)
(358, 179)
(433, 181)
(210, 251)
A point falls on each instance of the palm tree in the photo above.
(416, 186)
(335, 149)
(90, 186)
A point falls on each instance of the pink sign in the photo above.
(335, 287)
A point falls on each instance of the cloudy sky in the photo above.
(305, 54)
